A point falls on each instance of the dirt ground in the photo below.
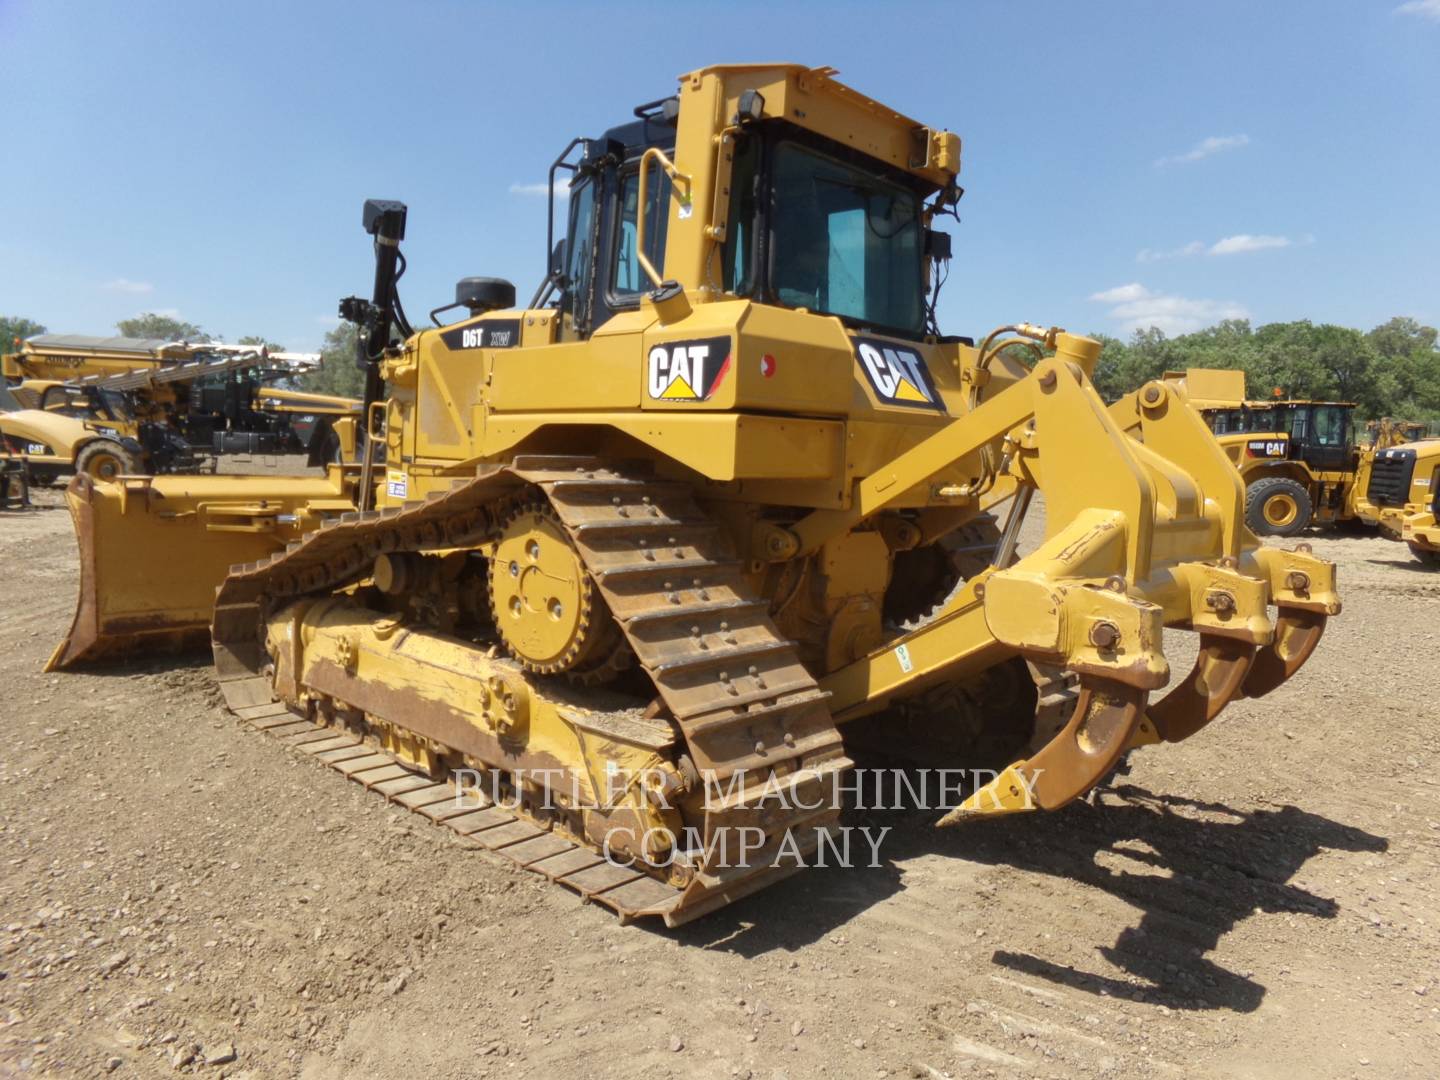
(180, 894)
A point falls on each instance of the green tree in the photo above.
(1408, 367)
(14, 329)
(1110, 372)
(1326, 362)
(338, 373)
(150, 325)
(1402, 337)
(1393, 370)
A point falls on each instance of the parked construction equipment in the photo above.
(1401, 495)
(629, 559)
(1298, 458)
(1302, 464)
(175, 408)
(95, 429)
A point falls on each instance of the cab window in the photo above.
(579, 251)
(1330, 425)
(740, 261)
(846, 242)
(68, 401)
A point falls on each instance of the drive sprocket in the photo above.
(546, 607)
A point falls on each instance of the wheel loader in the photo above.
(1302, 463)
(644, 552)
(1299, 459)
(1401, 494)
(1387, 432)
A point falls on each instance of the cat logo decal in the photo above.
(687, 370)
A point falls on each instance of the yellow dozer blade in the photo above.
(168, 543)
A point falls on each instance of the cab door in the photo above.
(1327, 444)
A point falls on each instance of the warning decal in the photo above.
(687, 370)
(397, 484)
(897, 374)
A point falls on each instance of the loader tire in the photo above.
(1429, 556)
(1277, 506)
(105, 460)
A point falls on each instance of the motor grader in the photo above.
(643, 551)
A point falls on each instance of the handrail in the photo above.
(676, 178)
(367, 461)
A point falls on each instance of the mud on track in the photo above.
(1260, 901)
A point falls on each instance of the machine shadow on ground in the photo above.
(1193, 870)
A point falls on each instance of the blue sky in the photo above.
(1125, 163)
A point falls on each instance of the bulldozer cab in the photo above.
(598, 271)
(797, 219)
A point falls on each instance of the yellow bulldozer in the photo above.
(643, 552)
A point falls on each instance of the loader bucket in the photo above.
(153, 551)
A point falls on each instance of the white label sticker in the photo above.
(397, 485)
(902, 653)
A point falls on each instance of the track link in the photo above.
(756, 725)
(470, 814)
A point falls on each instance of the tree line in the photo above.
(1393, 370)
(337, 373)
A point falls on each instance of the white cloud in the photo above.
(1426, 9)
(1215, 144)
(1244, 242)
(1121, 294)
(1134, 307)
(561, 191)
(125, 285)
(1195, 247)
(1239, 244)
